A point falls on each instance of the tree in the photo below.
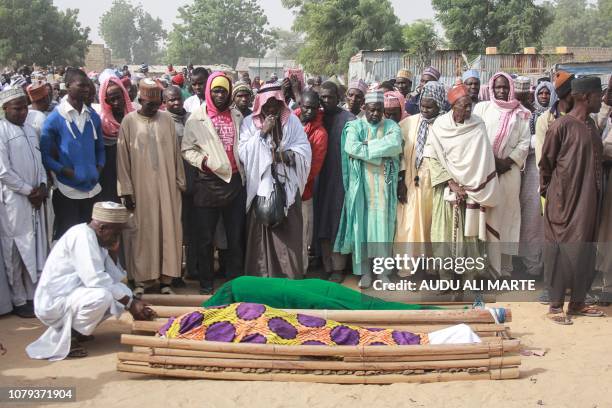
(132, 33)
(35, 31)
(335, 30)
(219, 32)
(578, 23)
(421, 40)
(472, 25)
(288, 44)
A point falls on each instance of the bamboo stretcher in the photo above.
(495, 358)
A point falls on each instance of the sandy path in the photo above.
(576, 372)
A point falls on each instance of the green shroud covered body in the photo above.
(300, 294)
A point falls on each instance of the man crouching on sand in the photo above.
(81, 285)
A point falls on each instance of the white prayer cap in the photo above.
(10, 94)
(110, 212)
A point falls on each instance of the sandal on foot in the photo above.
(165, 290)
(77, 351)
(559, 318)
(81, 338)
(588, 311)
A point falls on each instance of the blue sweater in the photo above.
(79, 151)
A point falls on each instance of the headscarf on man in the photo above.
(110, 126)
(540, 109)
(511, 111)
(436, 91)
(395, 99)
(218, 79)
(265, 93)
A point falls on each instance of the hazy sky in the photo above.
(91, 11)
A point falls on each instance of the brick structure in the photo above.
(98, 58)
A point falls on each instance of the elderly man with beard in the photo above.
(464, 189)
(210, 145)
(81, 285)
(370, 164)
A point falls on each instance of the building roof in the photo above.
(244, 63)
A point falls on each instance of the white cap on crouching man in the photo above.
(110, 212)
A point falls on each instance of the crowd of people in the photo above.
(159, 174)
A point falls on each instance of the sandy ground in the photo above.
(575, 372)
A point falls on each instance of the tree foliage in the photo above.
(337, 29)
(35, 31)
(132, 33)
(421, 40)
(288, 44)
(579, 23)
(472, 25)
(219, 32)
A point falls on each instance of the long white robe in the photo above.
(36, 119)
(21, 225)
(80, 286)
(6, 305)
(516, 147)
(256, 156)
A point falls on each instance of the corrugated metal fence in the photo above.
(383, 65)
(380, 66)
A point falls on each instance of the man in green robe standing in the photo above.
(370, 168)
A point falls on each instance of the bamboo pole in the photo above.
(374, 316)
(197, 300)
(498, 374)
(160, 351)
(479, 328)
(443, 357)
(157, 351)
(498, 346)
(494, 362)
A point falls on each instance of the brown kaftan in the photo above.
(150, 169)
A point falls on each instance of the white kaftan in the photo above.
(80, 286)
(22, 228)
(515, 146)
